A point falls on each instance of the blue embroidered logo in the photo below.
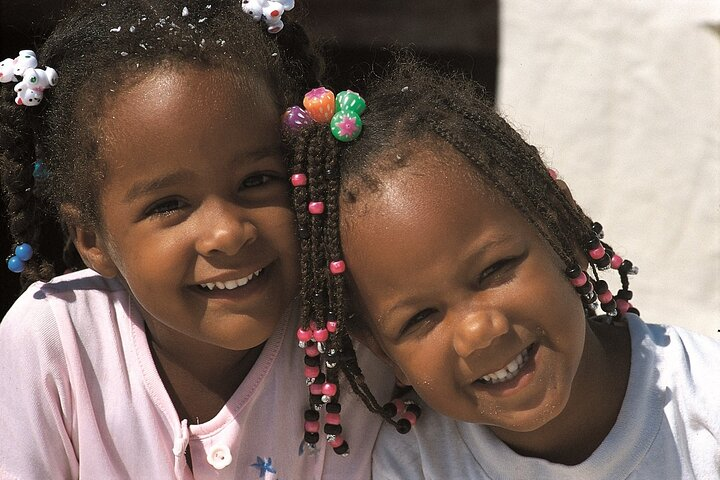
(264, 466)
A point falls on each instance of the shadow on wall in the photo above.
(356, 39)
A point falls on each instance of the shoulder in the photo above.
(46, 312)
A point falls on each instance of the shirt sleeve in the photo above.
(35, 394)
(396, 456)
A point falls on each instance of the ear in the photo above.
(365, 337)
(89, 244)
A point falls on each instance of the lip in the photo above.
(256, 284)
(521, 380)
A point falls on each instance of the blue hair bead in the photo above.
(15, 265)
(24, 252)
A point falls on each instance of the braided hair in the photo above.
(412, 104)
(99, 48)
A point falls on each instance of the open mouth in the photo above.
(509, 371)
(231, 284)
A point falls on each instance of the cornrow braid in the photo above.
(415, 106)
(99, 48)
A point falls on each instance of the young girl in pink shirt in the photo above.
(150, 132)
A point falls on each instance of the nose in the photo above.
(476, 329)
(224, 229)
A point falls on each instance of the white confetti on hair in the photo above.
(116, 29)
(132, 28)
(185, 12)
(202, 20)
(124, 54)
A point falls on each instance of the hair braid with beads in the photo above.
(411, 107)
(99, 48)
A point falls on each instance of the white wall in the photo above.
(623, 98)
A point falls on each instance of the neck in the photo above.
(200, 378)
(597, 395)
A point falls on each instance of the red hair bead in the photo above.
(316, 208)
(312, 427)
(410, 417)
(337, 441)
(311, 372)
(298, 180)
(312, 350)
(623, 306)
(597, 253)
(580, 280)
(332, 418)
(304, 335)
(331, 326)
(320, 335)
(616, 261)
(337, 267)
(605, 297)
(329, 389)
(316, 389)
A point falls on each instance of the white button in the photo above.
(219, 457)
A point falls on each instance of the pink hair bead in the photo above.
(580, 280)
(597, 253)
(605, 297)
(316, 389)
(332, 418)
(553, 174)
(311, 372)
(337, 267)
(316, 208)
(312, 351)
(312, 427)
(298, 179)
(329, 389)
(616, 261)
(331, 326)
(320, 335)
(410, 417)
(304, 335)
(337, 441)
(622, 306)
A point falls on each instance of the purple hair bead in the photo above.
(295, 118)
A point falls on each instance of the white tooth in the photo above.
(513, 366)
(231, 284)
(258, 272)
(209, 286)
(220, 285)
(243, 281)
(502, 375)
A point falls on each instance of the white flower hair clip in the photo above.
(270, 11)
(32, 81)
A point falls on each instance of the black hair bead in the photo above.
(573, 271)
(634, 311)
(625, 294)
(331, 429)
(312, 415)
(609, 307)
(585, 288)
(312, 437)
(601, 286)
(316, 400)
(320, 379)
(333, 407)
(625, 267)
(592, 243)
(589, 298)
(390, 409)
(598, 229)
(312, 361)
(604, 262)
(403, 426)
(342, 449)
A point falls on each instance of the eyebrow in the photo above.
(142, 188)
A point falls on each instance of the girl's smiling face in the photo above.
(195, 208)
(462, 295)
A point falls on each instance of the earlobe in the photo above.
(93, 250)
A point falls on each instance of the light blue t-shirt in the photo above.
(668, 426)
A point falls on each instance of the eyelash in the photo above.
(487, 275)
(164, 208)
